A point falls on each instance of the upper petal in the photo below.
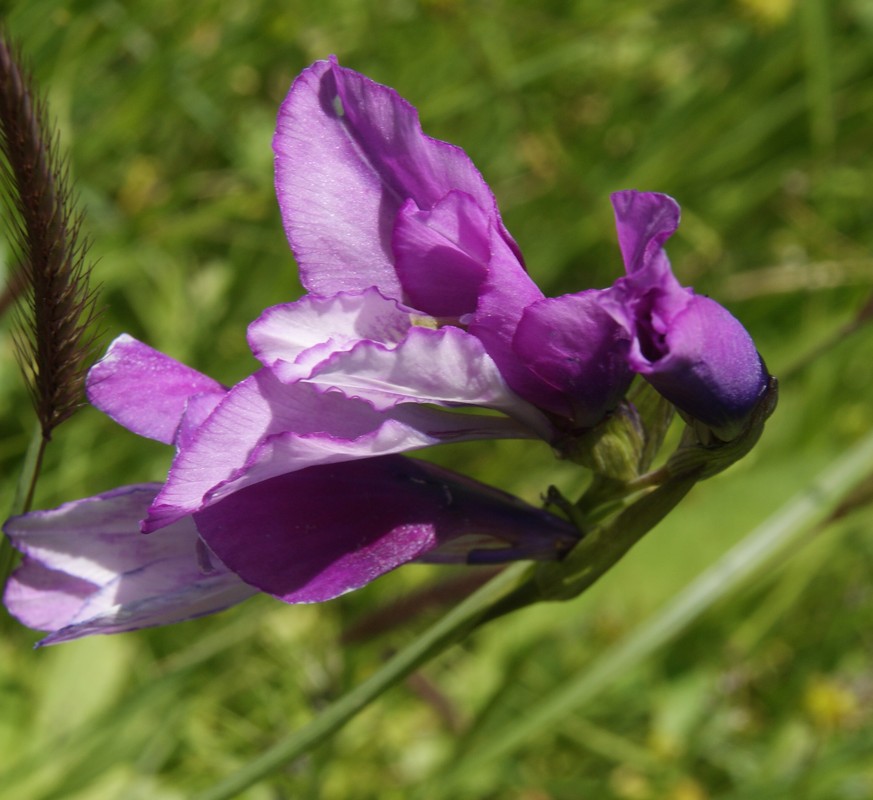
(144, 390)
(349, 152)
(441, 255)
(644, 221)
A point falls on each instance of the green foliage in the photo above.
(755, 115)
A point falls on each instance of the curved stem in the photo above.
(450, 629)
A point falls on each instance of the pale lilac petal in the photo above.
(441, 255)
(45, 599)
(144, 390)
(574, 346)
(197, 409)
(349, 153)
(265, 428)
(292, 339)
(87, 569)
(446, 366)
(316, 534)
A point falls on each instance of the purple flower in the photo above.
(303, 537)
(291, 482)
(291, 488)
(369, 201)
(311, 454)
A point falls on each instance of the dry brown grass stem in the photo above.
(56, 308)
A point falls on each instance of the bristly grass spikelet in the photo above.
(54, 331)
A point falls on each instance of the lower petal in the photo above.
(315, 534)
(87, 569)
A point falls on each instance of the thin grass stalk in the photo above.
(23, 497)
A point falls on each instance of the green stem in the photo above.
(23, 498)
(434, 641)
(765, 545)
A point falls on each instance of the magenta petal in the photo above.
(577, 348)
(644, 221)
(87, 569)
(349, 153)
(442, 254)
(506, 293)
(144, 390)
(316, 534)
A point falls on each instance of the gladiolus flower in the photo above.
(292, 481)
(368, 200)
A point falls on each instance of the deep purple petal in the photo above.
(144, 390)
(292, 339)
(687, 346)
(707, 366)
(507, 291)
(316, 534)
(87, 569)
(349, 153)
(644, 221)
(575, 347)
(264, 428)
(441, 254)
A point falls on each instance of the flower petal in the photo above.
(644, 221)
(293, 338)
(318, 533)
(87, 569)
(441, 255)
(708, 366)
(349, 153)
(144, 390)
(578, 349)
(263, 428)
(445, 367)
(507, 291)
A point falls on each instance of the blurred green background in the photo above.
(757, 115)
